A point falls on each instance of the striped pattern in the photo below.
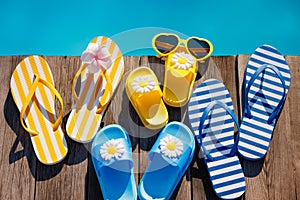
(218, 137)
(264, 95)
(50, 147)
(83, 123)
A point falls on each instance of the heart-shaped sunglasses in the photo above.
(166, 43)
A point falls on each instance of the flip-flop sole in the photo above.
(218, 138)
(50, 147)
(84, 123)
(264, 96)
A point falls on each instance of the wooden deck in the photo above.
(277, 176)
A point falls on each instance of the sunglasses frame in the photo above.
(184, 42)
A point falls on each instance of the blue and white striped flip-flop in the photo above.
(212, 119)
(266, 83)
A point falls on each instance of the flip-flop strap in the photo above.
(39, 80)
(83, 67)
(102, 103)
(107, 91)
(202, 120)
(250, 83)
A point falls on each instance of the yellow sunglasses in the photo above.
(166, 43)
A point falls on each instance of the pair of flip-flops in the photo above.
(33, 91)
(169, 157)
(266, 83)
(144, 93)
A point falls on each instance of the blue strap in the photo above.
(202, 120)
(250, 83)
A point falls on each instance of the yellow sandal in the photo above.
(181, 68)
(33, 91)
(98, 77)
(144, 93)
(180, 75)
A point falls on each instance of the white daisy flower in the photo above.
(113, 148)
(171, 146)
(143, 84)
(182, 60)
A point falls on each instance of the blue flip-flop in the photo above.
(212, 119)
(169, 157)
(267, 80)
(112, 159)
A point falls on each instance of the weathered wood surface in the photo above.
(277, 176)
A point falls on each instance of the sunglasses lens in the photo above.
(199, 48)
(166, 43)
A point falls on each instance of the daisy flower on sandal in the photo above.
(171, 146)
(182, 60)
(113, 148)
(143, 84)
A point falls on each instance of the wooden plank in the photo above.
(291, 124)
(17, 159)
(119, 112)
(222, 69)
(276, 176)
(65, 180)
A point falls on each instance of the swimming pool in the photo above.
(65, 28)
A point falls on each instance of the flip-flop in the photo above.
(212, 119)
(112, 159)
(144, 93)
(33, 91)
(169, 157)
(180, 74)
(98, 77)
(266, 83)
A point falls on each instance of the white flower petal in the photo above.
(94, 47)
(103, 52)
(135, 87)
(87, 56)
(146, 89)
(140, 90)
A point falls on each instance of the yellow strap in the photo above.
(102, 103)
(78, 103)
(32, 89)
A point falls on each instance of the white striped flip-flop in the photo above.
(212, 119)
(33, 91)
(96, 87)
(266, 83)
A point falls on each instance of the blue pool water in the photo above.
(65, 27)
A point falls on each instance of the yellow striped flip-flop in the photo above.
(33, 91)
(95, 92)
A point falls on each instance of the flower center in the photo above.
(182, 60)
(112, 150)
(97, 57)
(143, 83)
(171, 146)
